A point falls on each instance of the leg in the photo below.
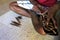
(37, 23)
(14, 6)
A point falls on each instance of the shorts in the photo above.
(25, 4)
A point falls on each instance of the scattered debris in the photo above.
(18, 21)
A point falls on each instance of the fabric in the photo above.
(25, 4)
(48, 3)
(51, 28)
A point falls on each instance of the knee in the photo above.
(12, 4)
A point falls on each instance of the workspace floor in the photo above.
(25, 31)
